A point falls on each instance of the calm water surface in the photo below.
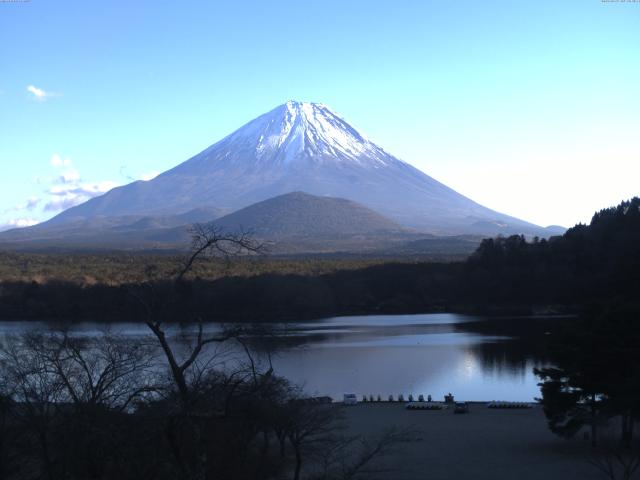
(387, 355)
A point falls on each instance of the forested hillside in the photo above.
(587, 263)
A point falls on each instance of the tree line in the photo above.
(505, 274)
(594, 384)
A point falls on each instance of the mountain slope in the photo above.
(299, 214)
(290, 224)
(103, 228)
(301, 147)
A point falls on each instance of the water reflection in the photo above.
(418, 354)
(473, 357)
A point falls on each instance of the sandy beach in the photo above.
(491, 444)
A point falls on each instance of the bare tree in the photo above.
(106, 370)
(354, 457)
(310, 428)
(616, 460)
(207, 240)
(67, 391)
(9, 436)
(36, 394)
(186, 367)
(211, 240)
(316, 433)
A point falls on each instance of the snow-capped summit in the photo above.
(306, 147)
(298, 130)
(299, 133)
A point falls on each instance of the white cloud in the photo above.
(19, 223)
(33, 203)
(145, 177)
(28, 204)
(69, 195)
(39, 94)
(70, 176)
(58, 161)
(66, 189)
(22, 222)
(149, 176)
(97, 188)
(63, 190)
(63, 202)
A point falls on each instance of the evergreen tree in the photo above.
(596, 375)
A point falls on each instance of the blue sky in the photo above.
(530, 108)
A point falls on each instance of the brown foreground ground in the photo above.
(483, 444)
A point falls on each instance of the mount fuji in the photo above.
(296, 147)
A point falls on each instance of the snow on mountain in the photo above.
(306, 147)
(295, 133)
(309, 130)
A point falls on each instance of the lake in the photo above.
(429, 354)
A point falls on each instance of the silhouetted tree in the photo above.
(596, 374)
(616, 461)
(67, 394)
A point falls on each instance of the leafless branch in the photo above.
(616, 462)
(210, 239)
